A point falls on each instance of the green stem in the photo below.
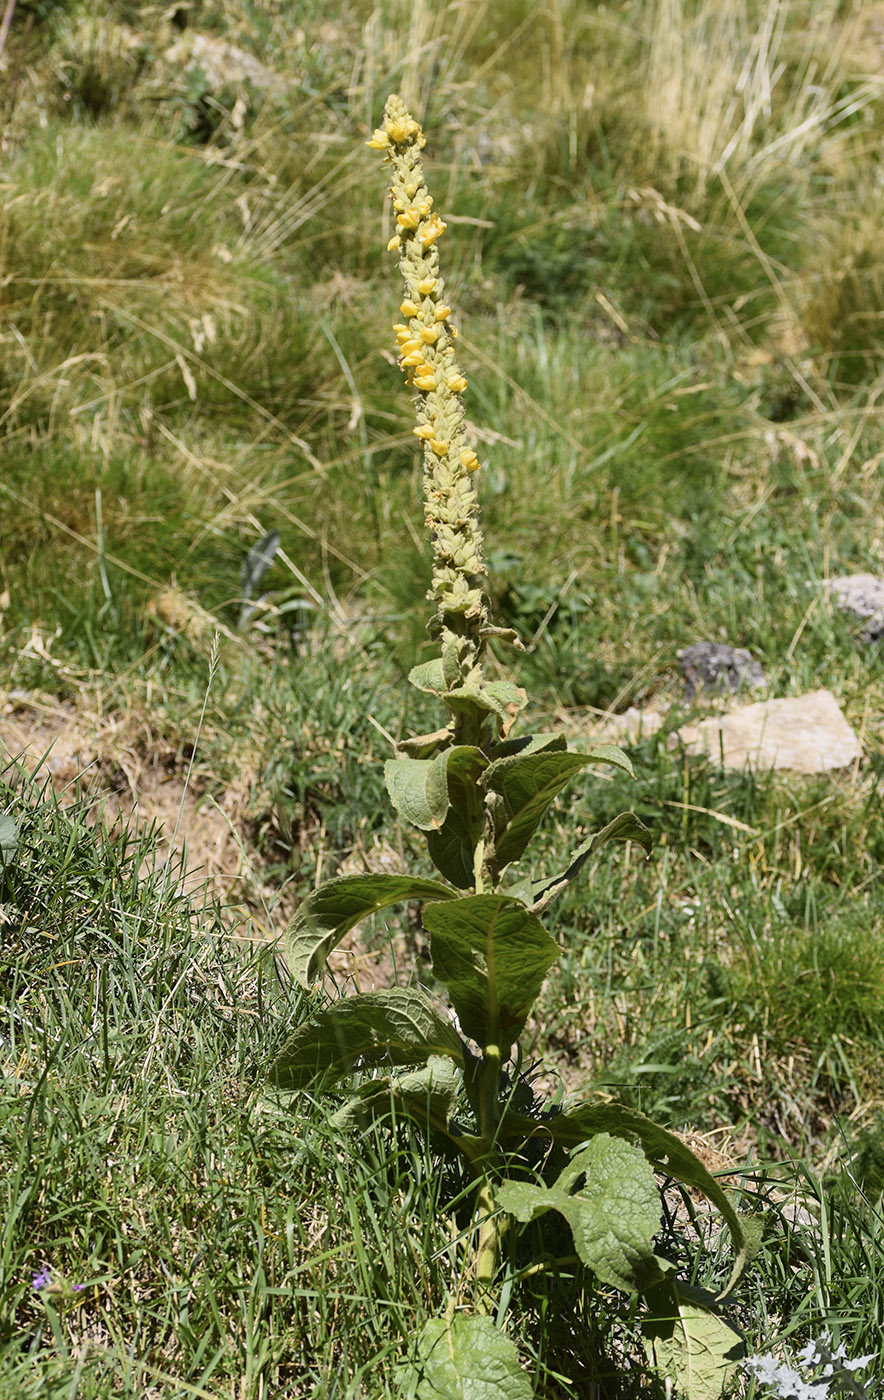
(488, 1249)
(488, 1094)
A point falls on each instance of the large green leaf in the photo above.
(465, 1358)
(428, 676)
(614, 1216)
(529, 782)
(337, 906)
(452, 848)
(418, 789)
(666, 1153)
(493, 954)
(690, 1343)
(8, 840)
(529, 743)
(427, 1095)
(496, 697)
(626, 827)
(398, 1027)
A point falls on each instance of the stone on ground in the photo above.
(719, 668)
(863, 596)
(802, 733)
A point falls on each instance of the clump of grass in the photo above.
(143, 1163)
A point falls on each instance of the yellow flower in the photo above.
(393, 244)
(469, 460)
(426, 382)
(414, 357)
(410, 219)
(440, 448)
(429, 334)
(402, 129)
(379, 140)
(456, 383)
(427, 285)
(409, 308)
(433, 229)
(442, 312)
(424, 431)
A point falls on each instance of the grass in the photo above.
(669, 287)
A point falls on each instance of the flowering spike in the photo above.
(426, 347)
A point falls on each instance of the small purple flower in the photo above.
(43, 1279)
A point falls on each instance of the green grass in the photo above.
(668, 285)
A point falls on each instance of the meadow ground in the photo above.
(664, 257)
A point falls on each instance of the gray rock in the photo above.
(719, 668)
(803, 733)
(223, 63)
(863, 596)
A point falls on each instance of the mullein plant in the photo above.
(479, 792)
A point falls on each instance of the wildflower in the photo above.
(426, 348)
(43, 1279)
(431, 230)
(790, 1384)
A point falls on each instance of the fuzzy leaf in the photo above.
(530, 782)
(427, 1095)
(418, 789)
(613, 1217)
(465, 1358)
(337, 906)
(691, 1344)
(8, 840)
(626, 827)
(428, 676)
(497, 697)
(490, 951)
(397, 1027)
(529, 743)
(452, 848)
(666, 1153)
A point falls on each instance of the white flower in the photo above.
(860, 1361)
(789, 1384)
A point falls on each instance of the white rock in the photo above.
(803, 733)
